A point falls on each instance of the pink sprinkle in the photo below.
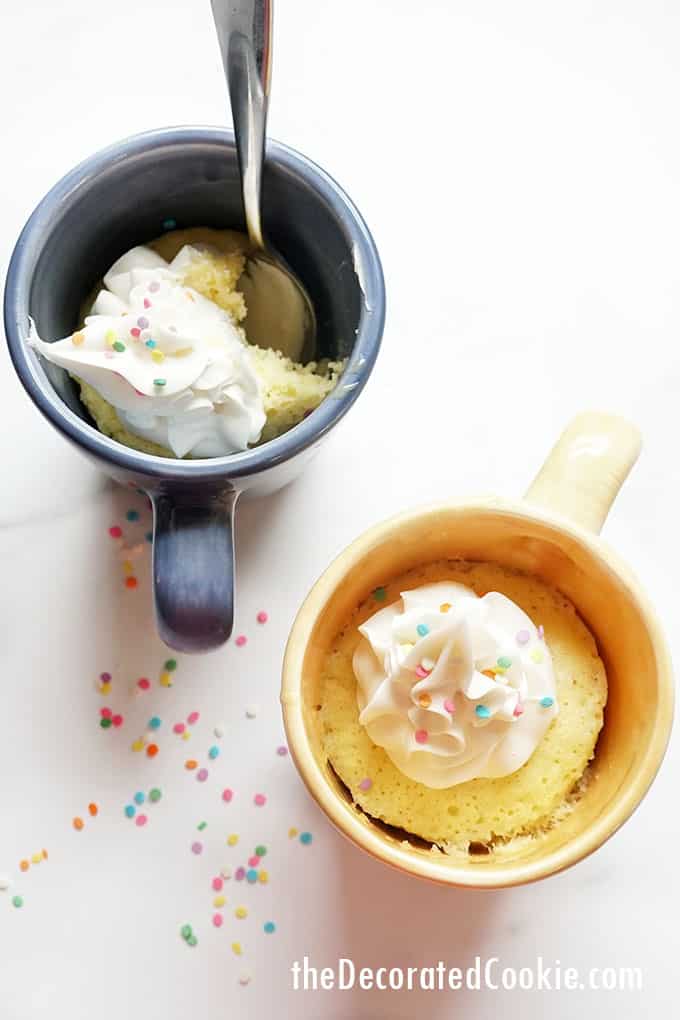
(217, 884)
(217, 920)
(202, 775)
(135, 331)
(253, 861)
(422, 672)
(179, 727)
(522, 637)
(282, 750)
(519, 710)
(197, 848)
(227, 795)
(105, 678)
(144, 684)
(147, 303)
(154, 286)
(141, 820)
(193, 718)
(240, 874)
(260, 799)
(262, 617)
(117, 720)
(421, 736)
(116, 532)
(105, 713)
(366, 784)
(241, 640)
(449, 706)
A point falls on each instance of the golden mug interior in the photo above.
(553, 535)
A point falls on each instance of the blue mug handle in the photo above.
(193, 567)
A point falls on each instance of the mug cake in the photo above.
(163, 360)
(461, 704)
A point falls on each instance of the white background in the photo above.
(518, 164)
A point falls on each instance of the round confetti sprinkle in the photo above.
(166, 680)
(227, 795)
(169, 224)
(217, 920)
(217, 883)
(130, 582)
(292, 832)
(186, 931)
(269, 927)
(522, 637)
(138, 745)
(170, 665)
(219, 731)
(421, 736)
(263, 876)
(105, 678)
(262, 617)
(152, 750)
(17, 901)
(251, 711)
(118, 346)
(24, 865)
(518, 711)
(225, 871)
(366, 784)
(282, 750)
(143, 322)
(154, 723)
(251, 875)
(244, 978)
(213, 752)
(232, 840)
(44, 853)
(141, 820)
(78, 824)
(105, 723)
(422, 629)
(155, 795)
(445, 606)
(36, 858)
(105, 713)
(192, 941)
(202, 775)
(482, 711)
(179, 727)
(305, 838)
(424, 700)
(132, 515)
(134, 332)
(77, 339)
(547, 702)
(259, 799)
(117, 720)
(93, 809)
(159, 382)
(144, 683)
(130, 810)
(260, 850)
(190, 764)
(150, 344)
(139, 797)
(237, 948)
(5, 883)
(241, 913)
(240, 874)
(380, 594)
(201, 826)
(115, 531)
(504, 662)
(197, 847)
(193, 718)
(241, 640)
(449, 706)
(219, 901)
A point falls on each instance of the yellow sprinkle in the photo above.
(425, 700)
(241, 912)
(127, 567)
(77, 339)
(110, 336)
(138, 745)
(263, 877)
(237, 948)
(158, 357)
(537, 655)
(183, 352)
(186, 735)
(36, 858)
(445, 606)
(292, 833)
(233, 839)
(105, 688)
(219, 901)
(166, 680)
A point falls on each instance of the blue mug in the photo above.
(123, 196)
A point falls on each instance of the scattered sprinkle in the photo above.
(192, 940)
(77, 339)
(421, 736)
(445, 606)
(366, 784)
(424, 700)
(282, 750)
(190, 764)
(36, 858)
(251, 711)
(166, 680)
(130, 810)
(160, 382)
(269, 927)
(547, 702)
(262, 617)
(482, 711)
(217, 883)
(422, 629)
(197, 847)
(251, 875)
(241, 913)
(152, 750)
(217, 920)
(154, 723)
(93, 809)
(130, 582)
(139, 798)
(117, 720)
(201, 826)
(179, 727)
(144, 683)
(240, 874)
(219, 731)
(219, 901)
(504, 662)
(202, 775)
(193, 718)
(155, 795)
(119, 346)
(132, 515)
(170, 665)
(17, 901)
(24, 865)
(138, 745)
(115, 531)
(292, 832)
(213, 752)
(241, 640)
(237, 948)
(449, 706)
(227, 795)
(78, 824)
(141, 820)
(259, 799)
(186, 931)
(232, 840)
(260, 850)
(263, 876)
(305, 838)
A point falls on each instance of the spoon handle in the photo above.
(244, 31)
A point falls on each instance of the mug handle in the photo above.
(193, 568)
(586, 468)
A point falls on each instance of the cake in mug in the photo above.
(163, 361)
(462, 704)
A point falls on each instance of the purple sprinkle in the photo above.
(202, 775)
(197, 848)
(283, 750)
(105, 677)
(143, 322)
(366, 784)
(154, 286)
(522, 637)
(240, 874)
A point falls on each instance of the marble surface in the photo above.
(518, 164)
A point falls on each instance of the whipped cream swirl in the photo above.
(171, 362)
(453, 686)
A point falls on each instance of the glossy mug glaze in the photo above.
(126, 195)
(553, 534)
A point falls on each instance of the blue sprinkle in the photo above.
(213, 752)
(482, 711)
(139, 798)
(149, 536)
(150, 344)
(547, 702)
(269, 927)
(169, 224)
(306, 838)
(132, 515)
(423, 629)
(251, 875)
(154, 723)
(130, 810)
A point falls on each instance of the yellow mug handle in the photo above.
(586, 468)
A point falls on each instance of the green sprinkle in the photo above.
(17, 901)
(504, 662)
(105, 723)
(118, 346)
(155, 795)
(169, 224)
(380, 594)
(201, 826)
(192, 941)
(260, 851)
(186, 931)
(171, 665)
(159, 382)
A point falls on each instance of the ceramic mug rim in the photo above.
(360, 362)
(370, 839)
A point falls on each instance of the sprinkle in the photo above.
(158, 357)
(24, 865)
(260, 850)
(518, 711)
(219, 731)
(219, 901)
(380, 594)
(105, 713)
(522, 637)
(217, 920)
(244, 978)
(269, 927)
(138, 745)
(110, 336)
(449, 706)
(282, 750)
(445, 606)
(259, 799)
(232, 840)
(202, 775)
(237, 948)
(155, 795)
(251, 711)
(263, 876)
(152, 750)
(190, 764)
(241, 640)
(105, 688)
(186, 931)
(169, 223)
(132, 515)
(36, 858)
(118, 346)
(141, 820)
(44, 853)
(547, 702)
(179, 727)
(105, 723)
(115, 531)
(491, 673)
(422, 672)
(217, 884)
(262, 617)
(78, 338)
(143, 322)
(105, 678)
(504, 662)
(305, 838)
(197, 847)
(482, 711)
(130, 810)
(78, 824)
(227, 795)
(130, 582)
(366, 784)
(292, 832)
(537, 655)
(144, 683)
(424, 700)
(93, 809)
(159, 382)
(241, 913)
(154, 286)
(154, 723)
(251, 875)
(201, 826)
(421, 736)
(147, 303)
(135, 331)
(117, 720)
(193, 718)
(5, 883)
(139, 798)
(166, 680)
(240, 874)
(17, 901)
(225, 871)
(192, 941)
(213, 752)
(422, 629)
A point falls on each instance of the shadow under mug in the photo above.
(552, 534)
(126, 195)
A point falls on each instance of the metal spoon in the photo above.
(280, 313)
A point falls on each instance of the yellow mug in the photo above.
(552, 534)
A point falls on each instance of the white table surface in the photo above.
(519, 166)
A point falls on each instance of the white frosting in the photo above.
(171, 362)
(423, 694)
